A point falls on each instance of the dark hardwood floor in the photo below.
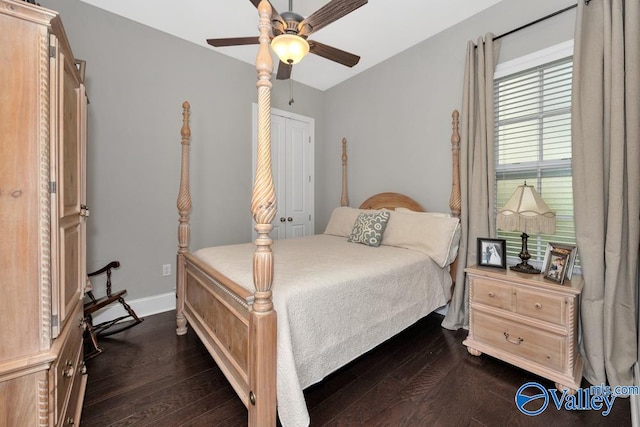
(422, 377)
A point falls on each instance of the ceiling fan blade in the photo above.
(284, 71)
(334, 54)
(275, 16)
(233, 41)
(327, 14)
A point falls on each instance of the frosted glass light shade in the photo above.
(290, 48)
(526, 211)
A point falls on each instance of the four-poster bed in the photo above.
(335, 299)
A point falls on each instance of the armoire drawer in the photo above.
(72, 413)
(69, 363)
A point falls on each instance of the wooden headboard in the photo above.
(391, 201)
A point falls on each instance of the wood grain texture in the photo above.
(184, 211)
(390, 200)
(262, 326)
(526, 320)
(42, 186)
(344, 198)
(455, 201)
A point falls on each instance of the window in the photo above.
(533, 139)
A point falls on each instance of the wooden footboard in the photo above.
(219, 311)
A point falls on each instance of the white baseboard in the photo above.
(142, 306)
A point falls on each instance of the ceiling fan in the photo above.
(290, 25)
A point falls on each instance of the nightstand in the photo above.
(527, 321)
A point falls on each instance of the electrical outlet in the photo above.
(166, 269)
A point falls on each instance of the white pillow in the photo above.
(342, 220)
(434, 235)
(441, 214)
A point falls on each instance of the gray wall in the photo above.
(137, 79)
(396, 117)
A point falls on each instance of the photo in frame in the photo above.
(557, 267)
(492, 252)
(570, 250)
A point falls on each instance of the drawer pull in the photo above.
(71, 421)
(491, 295)
(69, 370)
(537, 305)
(506, 337)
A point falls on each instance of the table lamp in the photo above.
(525, 211)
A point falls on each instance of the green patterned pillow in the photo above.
(369, 227)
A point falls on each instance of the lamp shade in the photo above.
(525, 211)
(290, 48)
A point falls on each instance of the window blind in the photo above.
(533, 144)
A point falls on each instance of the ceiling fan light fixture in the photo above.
(290, 48)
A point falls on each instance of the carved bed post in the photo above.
(455, 202)
(344, 200)
(262, 323)
(184, 210)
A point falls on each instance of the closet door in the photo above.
(298, 180)
(278, 166)
(292, 152)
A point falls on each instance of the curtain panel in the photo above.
(606, 183)
(477, 167)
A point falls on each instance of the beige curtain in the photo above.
(606, 183)
(477, 168)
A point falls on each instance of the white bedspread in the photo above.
(334, 300)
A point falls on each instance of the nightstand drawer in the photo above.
(519, 340)
(539, 306)
(492, 293)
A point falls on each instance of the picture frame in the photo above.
(492, 252)
(571, 250)
(557, 267)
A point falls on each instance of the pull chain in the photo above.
(291, 101)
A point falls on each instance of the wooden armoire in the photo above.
(43, 113)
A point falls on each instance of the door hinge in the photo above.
(54, 320)
(52, 187)
(52, 51)
(309, 178)
(309, 217)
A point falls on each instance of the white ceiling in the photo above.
(375, 32)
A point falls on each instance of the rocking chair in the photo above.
(109, 327)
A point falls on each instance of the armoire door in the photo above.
(292, 150)
(68, 101)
